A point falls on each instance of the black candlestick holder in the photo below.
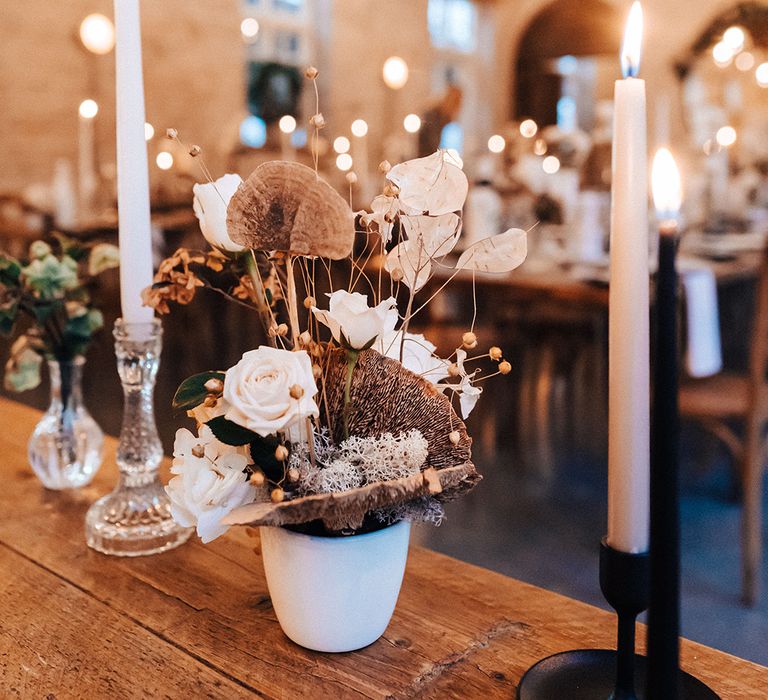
(594, 674)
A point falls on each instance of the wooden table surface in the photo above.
(197, 622)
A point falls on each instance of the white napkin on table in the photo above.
(704, 355)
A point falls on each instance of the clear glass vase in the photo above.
(135, 519)
(65, 449)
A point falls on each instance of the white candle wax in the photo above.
(132, 174)
(628, 357)
(86, 161)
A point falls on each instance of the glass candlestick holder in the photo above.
(135, 519)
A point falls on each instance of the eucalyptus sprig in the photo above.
(50, 288)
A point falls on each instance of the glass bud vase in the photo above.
(65, 449)
(135, 519)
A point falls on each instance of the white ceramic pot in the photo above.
(335, 594)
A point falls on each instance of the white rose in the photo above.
(270, 390)
(418, 354)
(209, 482)
(210, 205)
(349, 315)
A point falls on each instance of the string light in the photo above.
(341, 144)
(734, 38)
(149, 131)
(761, 73)
(726, 136)
(97, 34)
(722, 54)
(359, 128)
(249, 27)
(412, 123)
(395, 72)
(528, 128)
(496, 144)
(88, 109)
(550, 165)
(287, 124)
(164, 160)
(540, 147)
(344, 162)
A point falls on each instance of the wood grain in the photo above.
(203, 614)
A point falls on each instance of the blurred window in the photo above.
(453, 24)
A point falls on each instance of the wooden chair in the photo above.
(724, 398)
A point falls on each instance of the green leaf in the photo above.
(192, 391)
(231, 433)
(10, 271)
(263, 456)
(8, 314)
(44, 310)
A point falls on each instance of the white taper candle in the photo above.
(132, 174)
(628, 393)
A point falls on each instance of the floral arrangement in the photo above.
(347, 420)
(50, 290)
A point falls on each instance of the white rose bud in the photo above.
(349, 315)
(210, 205)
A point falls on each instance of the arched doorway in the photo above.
(586, 30)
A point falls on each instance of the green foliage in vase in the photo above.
(50, 290)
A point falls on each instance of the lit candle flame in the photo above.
(633, 41)
(667, 190)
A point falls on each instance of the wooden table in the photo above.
(197, 622)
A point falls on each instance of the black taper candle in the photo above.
(664, 608)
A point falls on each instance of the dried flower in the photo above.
(505, 367)
(317, 120)
(214, 385)
(391, 190)
(296, 391)
(385, 166)
(195, 151)
(257, 477)
(469, 340)
(309, 302)
(455, 437)
(495, 353)
(311, 73)
(351, 178)
(432, 184)
(172, 133)
(281, 453)
(277, 495)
